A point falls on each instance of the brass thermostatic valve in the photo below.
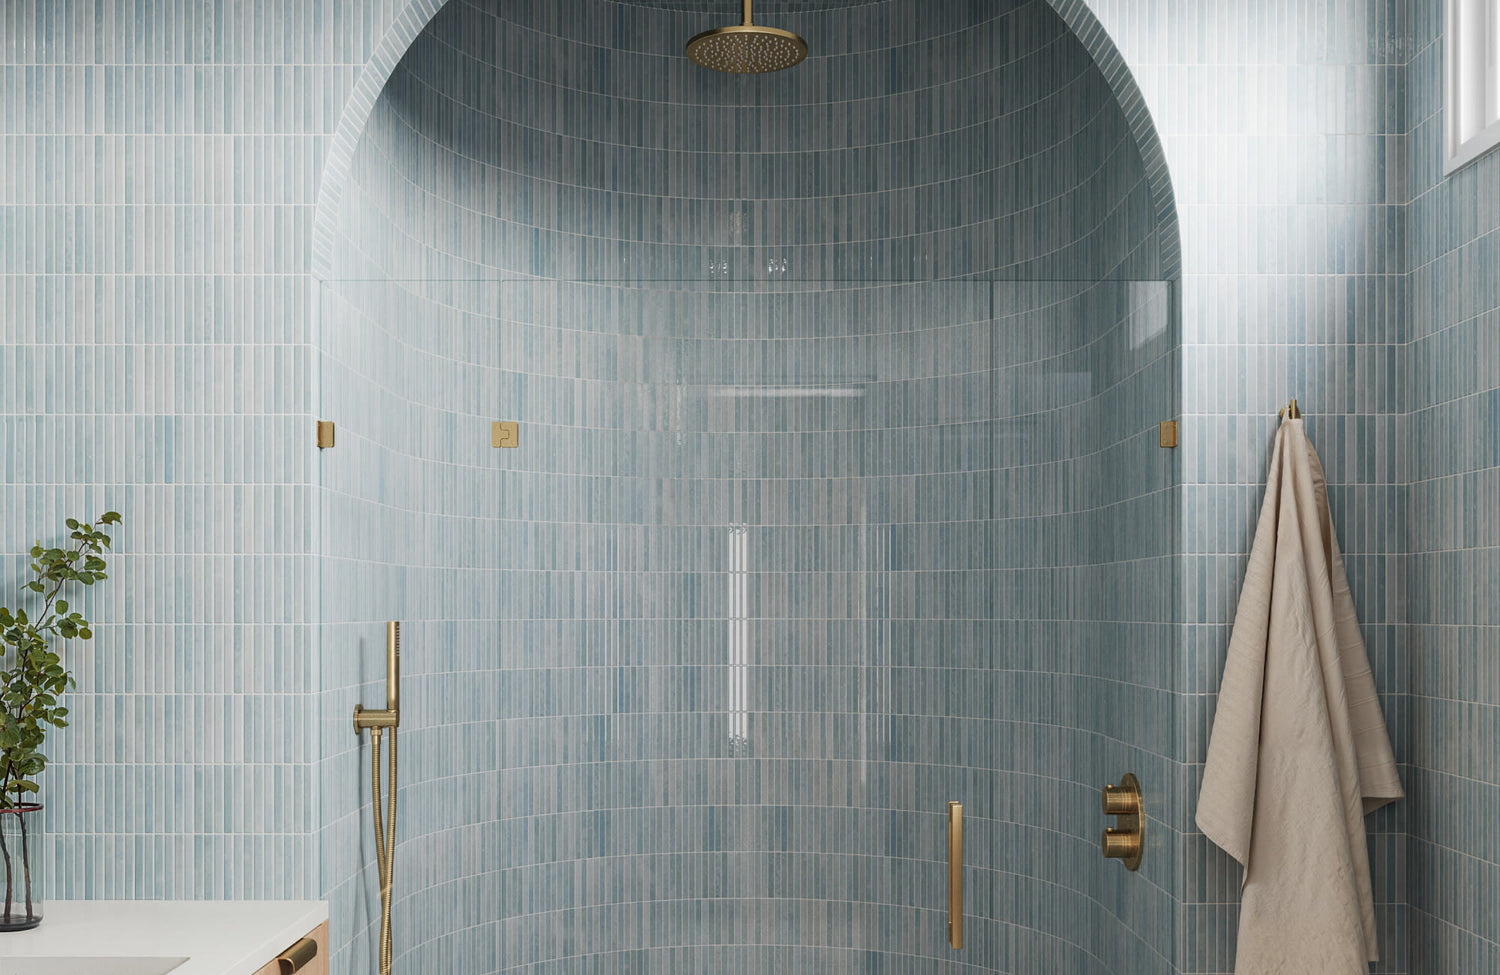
(1125, 840)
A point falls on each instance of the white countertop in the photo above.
(216, 937)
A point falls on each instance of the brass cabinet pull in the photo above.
(956, 874)
(295, 958)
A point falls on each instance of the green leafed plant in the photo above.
(32, 675)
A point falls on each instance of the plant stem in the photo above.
(26, 863)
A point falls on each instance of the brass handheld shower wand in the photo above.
(377, 721)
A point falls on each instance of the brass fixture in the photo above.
(377, 721)
(1126, 839)
(955, 874)
(746, 48)
(295, 958)
(1166, 433)
(505, 433)
(390, 717)
(1290, 411)
(325, 434)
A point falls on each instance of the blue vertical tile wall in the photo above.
(156, 190)
(158, 172)
(1282, 126)
(1452, 376)
(792, 553)
(159, 163)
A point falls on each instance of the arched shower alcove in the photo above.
(838, 493)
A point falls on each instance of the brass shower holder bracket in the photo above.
(1125, 840)
(374, 719)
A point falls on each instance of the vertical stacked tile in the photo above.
(1282, 125)
(156, 190)
(368, 489)
(1452, 375)
(156, 244)
(801, 541)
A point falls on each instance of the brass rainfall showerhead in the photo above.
(746, 48)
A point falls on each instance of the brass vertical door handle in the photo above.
(956, 874)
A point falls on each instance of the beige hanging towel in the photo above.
(1299, 751)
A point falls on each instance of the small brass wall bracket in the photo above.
(1166, 433)
(325, 434)
(505, 433)
(1126, 839)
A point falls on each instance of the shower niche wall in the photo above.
(838, 497)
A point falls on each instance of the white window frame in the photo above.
(1471, 72)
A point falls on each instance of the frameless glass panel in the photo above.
(776, 571)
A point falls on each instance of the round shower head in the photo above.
(746, 48)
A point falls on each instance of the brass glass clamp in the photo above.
(1126, 839)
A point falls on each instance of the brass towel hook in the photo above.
(1290, 411)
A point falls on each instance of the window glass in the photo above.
(1472, 86)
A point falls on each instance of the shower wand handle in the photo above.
(393, 666)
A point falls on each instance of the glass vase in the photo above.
(21, 872)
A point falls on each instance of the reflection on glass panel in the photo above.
(739, 639)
